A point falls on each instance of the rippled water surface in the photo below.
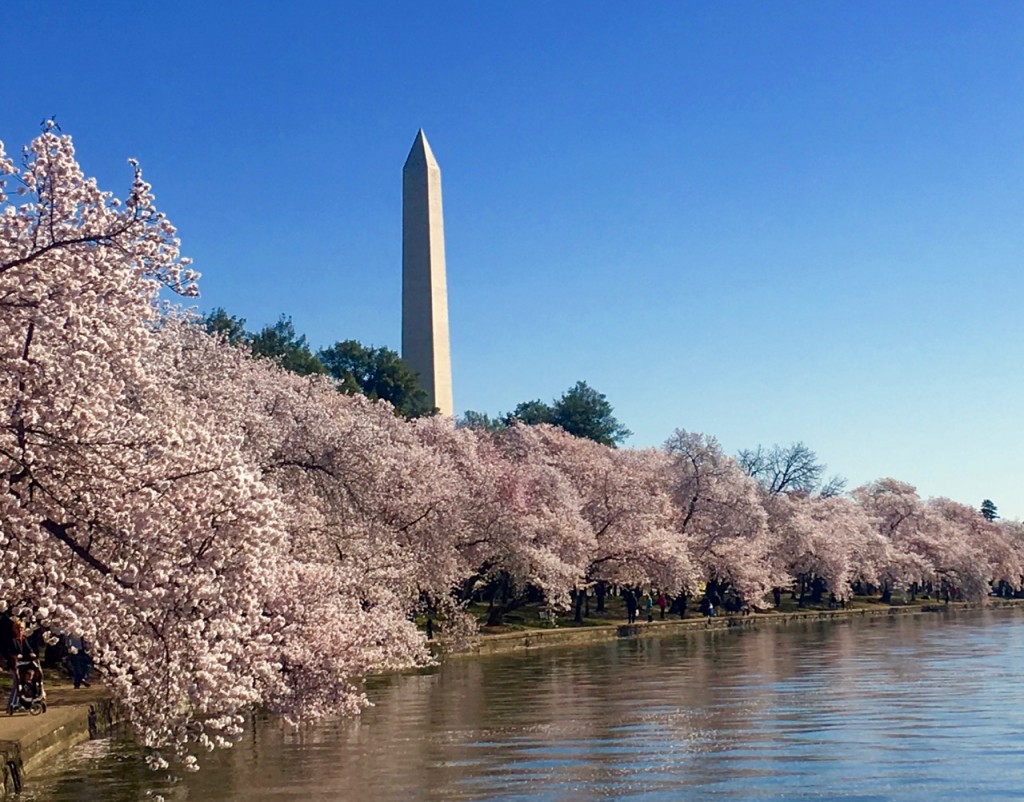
(904, 708)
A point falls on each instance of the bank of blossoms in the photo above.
(228, 535)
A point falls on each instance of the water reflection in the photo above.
(896, 708)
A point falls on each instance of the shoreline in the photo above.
(531, 639)
(75, 716)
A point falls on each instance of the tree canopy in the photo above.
(584, 412)
(231, 328)
(279, 341)
(533, 413)
(283, 344)
(581, 411)
(789, 469)
(481, 421)
(377, 373)
(989, 511)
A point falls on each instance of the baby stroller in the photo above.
(28, 693)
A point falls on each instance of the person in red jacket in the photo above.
(15, 648)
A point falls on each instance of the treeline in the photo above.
(377, 373)
(228, 533)
(380, 374)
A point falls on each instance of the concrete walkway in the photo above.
(27, 742)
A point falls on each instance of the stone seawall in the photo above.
(27, 742)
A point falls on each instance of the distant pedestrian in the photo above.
(78, 659)
(630, 598)
(649, 607)
(708, 607)
(662, 604)
(681, 605)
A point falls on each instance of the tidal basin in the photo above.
(899, 708)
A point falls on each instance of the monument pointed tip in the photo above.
(420, 150)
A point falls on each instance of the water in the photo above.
(904, 708)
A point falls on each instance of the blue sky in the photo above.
(768, 222)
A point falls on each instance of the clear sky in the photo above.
(768, 222)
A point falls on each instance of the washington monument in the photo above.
(425, 345)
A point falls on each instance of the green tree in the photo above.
(472, 419)
(230, 327)
(581, 411)
(584, 412)
(989, 510)
(377, 373)
(533, 412)
(281, 343)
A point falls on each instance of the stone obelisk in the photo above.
(425, 345)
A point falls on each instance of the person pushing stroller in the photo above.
(26, 674)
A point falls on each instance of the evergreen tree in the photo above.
(281, 342)
(988, 510)
(230, 327)
(584, 412)
(481, 420)
(581, 411)
(377, 373)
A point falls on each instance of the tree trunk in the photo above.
(578, 599)
(496, 611)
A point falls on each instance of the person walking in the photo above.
(78, 660)
(630, 598)
(649, 607)
(662, 604)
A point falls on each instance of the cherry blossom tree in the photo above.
(1013, 532)
(720, 516)
(825, 544)
(946, 545)
(626, 503)
(134, 510)
(363, 495)
(124, 518)
(527, 515)
(977, 553)
(900, 516)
